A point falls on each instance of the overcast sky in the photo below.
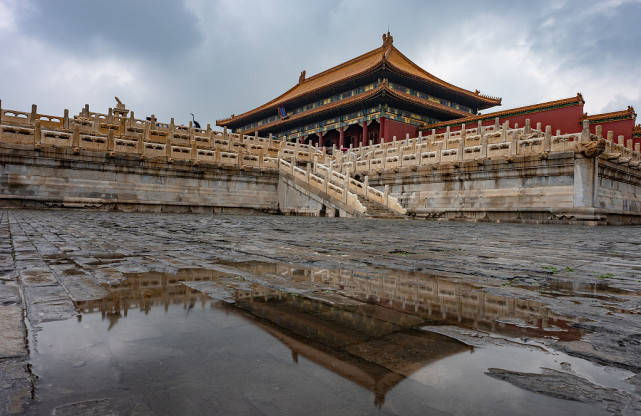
(215, 58)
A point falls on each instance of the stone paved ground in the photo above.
(48, 259)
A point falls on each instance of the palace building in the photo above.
(379, 94)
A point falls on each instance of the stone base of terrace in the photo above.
(62, 178)
(563, 188)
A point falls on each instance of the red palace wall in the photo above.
(619, 128)
(566, 119)
(390, 128)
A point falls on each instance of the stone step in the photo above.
(376, 210)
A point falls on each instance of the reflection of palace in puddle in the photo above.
(146, 290)
(370, 345)
(369, 337)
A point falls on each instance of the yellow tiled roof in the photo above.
(387, 54)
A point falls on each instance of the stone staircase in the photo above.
(338, 191)
(375, 210)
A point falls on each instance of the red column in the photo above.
(381, 129)
(341, 138)
(365, 139)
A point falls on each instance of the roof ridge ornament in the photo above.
(301, 78)
(388, 40)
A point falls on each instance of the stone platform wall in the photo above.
(61, 178)
(562, 188)
(497, 173)
(493, 190)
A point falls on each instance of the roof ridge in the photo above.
(305, 81)
(444, 83)
(344, 64)
(627, 112)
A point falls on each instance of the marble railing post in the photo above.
(527, 129)
(433, 136)
(497, 123)
(439, 152)
(172, 130)
(365, 184)
(37, 134)
(460, 148)
(463, 131)
(140, 147)
(514, 146)
(346, 186)
(75, 138)
(547, 139)
(96, 124)
(308, 172)
(479, 128)
(610, 136)
(194, 151)
(483, 144)
(65, 120)
(585, 132)
(599, 132)
(538, 126)
(110, 140)
(328, 174)
(34, 114)
(504, 129)
(386, 196)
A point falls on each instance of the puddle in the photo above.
(596, 290)
(435, 299)
(260, 338)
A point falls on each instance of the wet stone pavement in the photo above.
(161, 314)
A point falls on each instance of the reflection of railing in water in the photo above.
(434, 298)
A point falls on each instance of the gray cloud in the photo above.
(216, 58)
(150, 29)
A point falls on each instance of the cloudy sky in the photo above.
(215, 58)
